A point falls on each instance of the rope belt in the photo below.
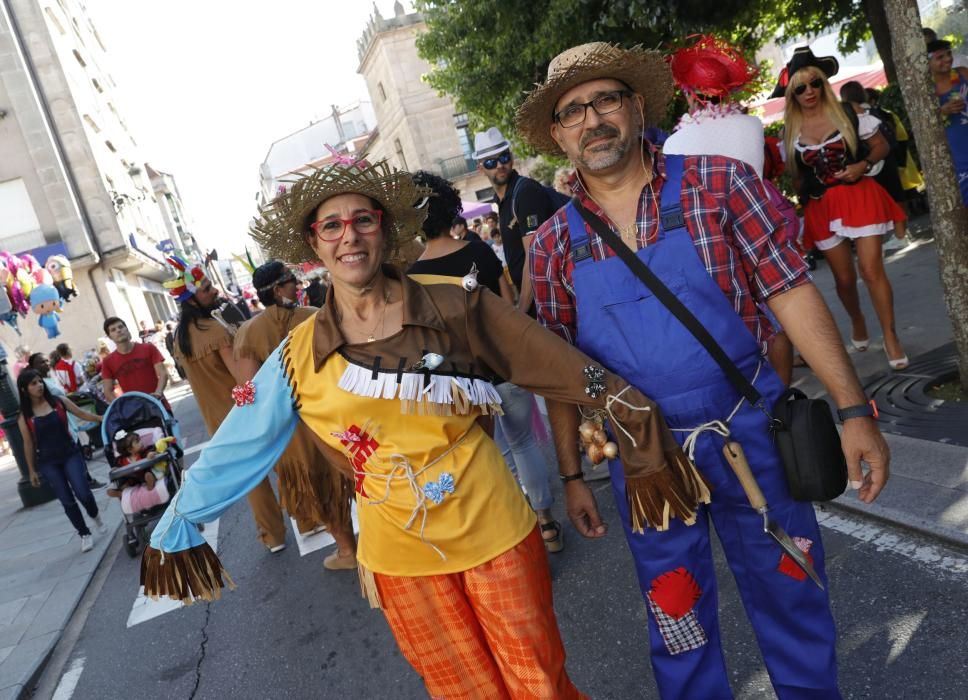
(720, 427)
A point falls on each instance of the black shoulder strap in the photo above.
(671, 301)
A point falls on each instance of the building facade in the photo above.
(417, 129)
(71, 178)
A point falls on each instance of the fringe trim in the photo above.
(368, 587)
(675, 492)
(316, 494)
(186, 576)
(206, 349)
(422, 393)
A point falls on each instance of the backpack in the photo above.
(556, 198)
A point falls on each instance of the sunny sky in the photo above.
(207, 85)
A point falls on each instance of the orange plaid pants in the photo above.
(489, 632)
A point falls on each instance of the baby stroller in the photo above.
(143, 414)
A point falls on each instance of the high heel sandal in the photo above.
(898, 364)
(556, 543)
(860, 345)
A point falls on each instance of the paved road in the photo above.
(293, 630)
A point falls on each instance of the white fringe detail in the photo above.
(437, 394)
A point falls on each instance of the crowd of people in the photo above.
(415, 380)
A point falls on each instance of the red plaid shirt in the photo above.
(732, 224)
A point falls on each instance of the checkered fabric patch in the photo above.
(684, 634)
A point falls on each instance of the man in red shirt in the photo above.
(135, 366)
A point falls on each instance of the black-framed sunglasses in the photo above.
(502, 158)
(816, 84)
(606, 103)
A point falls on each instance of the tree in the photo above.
(488, 53)
(949, 216)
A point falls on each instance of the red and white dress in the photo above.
(844, 210)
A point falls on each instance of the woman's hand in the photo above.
(852, 172)
(34, 479)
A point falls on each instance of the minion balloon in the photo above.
(60, 271)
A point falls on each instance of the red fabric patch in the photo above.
(360, 446)
(675, 592)
(789, 567)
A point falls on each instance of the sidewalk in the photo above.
(43, 575)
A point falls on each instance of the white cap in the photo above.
(490, 143)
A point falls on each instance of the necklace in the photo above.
(372, 335)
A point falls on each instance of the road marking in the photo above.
(68, 682)
(887, 541)
(196, 448)
(311, 543)
(145, 608)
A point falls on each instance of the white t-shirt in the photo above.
(712, 131)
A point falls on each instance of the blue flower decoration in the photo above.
(436, 490)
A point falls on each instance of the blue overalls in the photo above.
(623, 326)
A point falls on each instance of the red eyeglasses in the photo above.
(332, 229)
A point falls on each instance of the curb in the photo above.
(901, 519)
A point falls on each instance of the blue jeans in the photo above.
(513, 435)
(67, 478)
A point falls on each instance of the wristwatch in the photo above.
(870, 166)
(864, 410)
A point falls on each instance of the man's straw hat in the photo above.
(645, 72)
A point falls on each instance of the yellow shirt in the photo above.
(434, 494)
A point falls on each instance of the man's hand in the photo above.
(862, 441)
(583, 510)
(34, 479)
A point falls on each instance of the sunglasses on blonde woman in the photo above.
(816, 84)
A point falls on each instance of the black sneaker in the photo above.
(94, 483)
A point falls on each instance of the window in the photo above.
(97, 85)
(53, 20)
(91, 123)
(383, 93)
(77, 55)
(19, 217)
(399, 149)
(110, 147)
(464, 134)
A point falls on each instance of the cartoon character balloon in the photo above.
(60, 271)
(46, 303)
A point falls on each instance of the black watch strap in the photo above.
(863, 410)
(571, 477)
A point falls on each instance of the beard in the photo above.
(603, 155)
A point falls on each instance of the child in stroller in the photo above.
(145, 480)
(137, 489)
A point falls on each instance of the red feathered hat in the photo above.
(710, 67)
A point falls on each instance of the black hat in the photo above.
(937, 45)
(803, 58)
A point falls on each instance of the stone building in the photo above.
(71, 178)
(417, 129)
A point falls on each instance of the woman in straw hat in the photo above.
(392, 377)
(830, 150)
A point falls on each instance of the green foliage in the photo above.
(543, 169)
(488, 53)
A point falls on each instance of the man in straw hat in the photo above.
(717, 250)
(203, 347)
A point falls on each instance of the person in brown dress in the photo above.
(310, 490)
(203, 348)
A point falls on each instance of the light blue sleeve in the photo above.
(240, 454)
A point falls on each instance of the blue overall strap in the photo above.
(671, 218)
(581, 249)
